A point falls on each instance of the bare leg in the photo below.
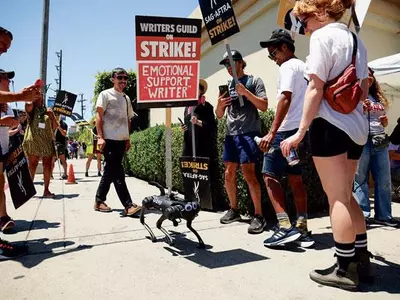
(46, 172)
(98, 162)
(249, 174)
(33, 163)
(230, 183)
(3, 210)
(89, 160)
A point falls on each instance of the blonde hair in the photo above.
(322, 9)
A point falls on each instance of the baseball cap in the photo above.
(235, 54)
(118, 71)
(277, 36)
(10, 75)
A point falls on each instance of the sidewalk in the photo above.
(77, 253)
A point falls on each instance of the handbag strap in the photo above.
(355, 47)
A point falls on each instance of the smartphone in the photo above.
(224, 90)
(180, 120)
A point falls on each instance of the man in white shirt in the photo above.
(291, 89)
(113, 114)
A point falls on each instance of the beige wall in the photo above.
(257, 19)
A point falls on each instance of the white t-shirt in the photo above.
(115, 120)
(4, 134)
(331, 49)
(291, 79)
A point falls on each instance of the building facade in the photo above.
(258, 18)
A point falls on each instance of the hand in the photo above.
(384, 120)
(266, 142)
(101, 143)
(127, 145)
(184, 128)
(50, 113)
(196, 121)
(30, 94)
(241, 89)
(224, 101)
(367, 105)
(290, 143)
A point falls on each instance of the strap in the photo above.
(355, 47)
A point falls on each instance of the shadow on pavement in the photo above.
(39, 251)
(23, 225)
(211, 260)
(65, 196)
(387, 277)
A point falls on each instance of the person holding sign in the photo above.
(243, 124)
(337, 135)
(291, 89)
(38, 140)
(113, 114)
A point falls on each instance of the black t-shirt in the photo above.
(59, 137)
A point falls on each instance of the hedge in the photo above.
(146, 161)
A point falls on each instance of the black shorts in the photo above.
(327, 140)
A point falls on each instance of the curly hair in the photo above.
(376, 92)
(334, 9)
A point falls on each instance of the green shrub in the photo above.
(146, 161)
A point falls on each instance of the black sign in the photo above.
(219, 18)
(19, 179)
(65, 102)
(79, 120)
(196, 180)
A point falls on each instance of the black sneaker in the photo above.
(364, 267)
(282, 236)
(305, 240)
(10, 251)
(257, 225)
(231, 216)
(390, 222)
(86, 174)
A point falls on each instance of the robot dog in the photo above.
(174, 209)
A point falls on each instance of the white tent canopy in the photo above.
(387, 71)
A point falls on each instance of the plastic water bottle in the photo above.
(257, 139)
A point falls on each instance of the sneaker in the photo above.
(132, 211)
(86, 174)
(364, 268)
(99, 174)
(282, 236)
(257, 225)
(390, 222)
(6, 224)
(231, 216)
(102, 207)
(305, 240)
(335, 277)
(10, 251)
(63, 177)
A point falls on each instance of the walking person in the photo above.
(242, 125)
(95, 152)
(61, 144)
(291, 90)
(375, 159)
(113, 114)
(336, 138)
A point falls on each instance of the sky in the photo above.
(94, 36)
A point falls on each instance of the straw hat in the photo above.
(204, 84)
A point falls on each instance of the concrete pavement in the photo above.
(77, 253)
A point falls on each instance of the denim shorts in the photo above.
(275, 164)
(241, 148)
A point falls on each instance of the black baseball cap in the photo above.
(277, 36)
(118, 71)
(10, 75)
(235, 54)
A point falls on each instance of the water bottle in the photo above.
(257, 139)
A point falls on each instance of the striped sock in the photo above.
(361, 243)
(284, 221)
(345, 254)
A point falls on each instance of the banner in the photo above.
(286, 19)
(65, 102)
(168, 59)
(196, 180)
(219, 18)
(19, 179)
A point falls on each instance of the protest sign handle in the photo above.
(232, 63)
(193, 135)
(168, 151)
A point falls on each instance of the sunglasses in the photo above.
(272, 54)
(304, 22)
(120, 77)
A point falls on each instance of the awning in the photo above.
(387, 71)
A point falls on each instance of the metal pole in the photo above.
(45, 43)
(60, 76)
(193, 135)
